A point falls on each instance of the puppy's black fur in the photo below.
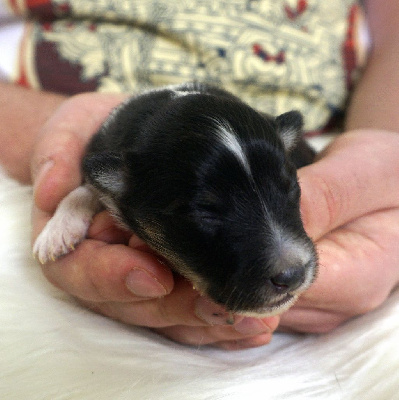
(210, 184)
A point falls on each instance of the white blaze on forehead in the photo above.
(228, 138)
(181, 93)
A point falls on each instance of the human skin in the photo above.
(349, 207)
(22, 114)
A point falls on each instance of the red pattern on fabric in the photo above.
(22, 77)
(279, 58)
(43, 9)
(293, 14)
(59, 74)
(349, 46)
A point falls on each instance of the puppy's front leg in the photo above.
(68, 226)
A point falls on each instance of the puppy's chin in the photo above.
(274, 308)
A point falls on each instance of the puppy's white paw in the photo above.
(59, 237)
(68, 227)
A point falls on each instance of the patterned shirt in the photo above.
(277, 55)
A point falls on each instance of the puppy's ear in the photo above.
(290, 128)
(105, 171)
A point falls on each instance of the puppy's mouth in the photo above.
(272, 308)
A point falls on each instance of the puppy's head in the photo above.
(209, 185)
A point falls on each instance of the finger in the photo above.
(248, 343)
(60, 145)
(357, 175)
(311, 320)
(227, 337)
(99, 272)
(177, 308)
(105, 229)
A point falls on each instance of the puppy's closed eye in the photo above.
(208, 209)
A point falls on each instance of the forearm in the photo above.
(22, 113)
(375, 102)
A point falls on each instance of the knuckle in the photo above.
(332, 198)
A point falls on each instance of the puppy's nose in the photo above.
(289, 279)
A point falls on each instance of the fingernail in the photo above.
(251, 326)
(141, 284)
(211, 313)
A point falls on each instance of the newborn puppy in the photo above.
(208, 183)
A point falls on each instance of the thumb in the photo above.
(61, 143)
(357, 174)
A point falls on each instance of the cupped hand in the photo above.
(350, 207)
(113, 272)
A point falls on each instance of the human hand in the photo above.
(350, 206)
(112, 271)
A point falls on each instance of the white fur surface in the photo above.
(51, 348)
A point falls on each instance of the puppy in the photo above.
(207, 182)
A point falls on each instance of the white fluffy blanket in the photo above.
(51, 348)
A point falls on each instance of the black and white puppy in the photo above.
(207, 182)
